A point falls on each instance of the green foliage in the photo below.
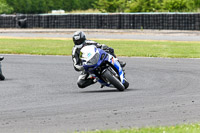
(197, 3)
(45, 6)
(5, 8)
(144, 5)
(178, 5)
(111, 5)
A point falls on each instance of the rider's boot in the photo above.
(102, 86)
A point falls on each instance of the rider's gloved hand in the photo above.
(79, 68)
(107, 49)
(111, 50)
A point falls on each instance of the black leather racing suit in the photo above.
(84, 80)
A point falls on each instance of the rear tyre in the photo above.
(113, 80)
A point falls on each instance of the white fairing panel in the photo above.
(88, 52)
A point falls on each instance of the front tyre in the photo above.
(126, 84)
(113, 80)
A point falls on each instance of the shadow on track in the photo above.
(107, 91)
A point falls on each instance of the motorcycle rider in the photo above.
(79, 39)
(1, 75)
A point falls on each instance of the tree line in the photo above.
(45, 6)
(147, 5)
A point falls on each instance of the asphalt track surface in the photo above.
(40, 92)
(40, 95)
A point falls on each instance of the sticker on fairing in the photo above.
(89, 54)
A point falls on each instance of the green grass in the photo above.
(122, 47)
(36, 46)
(156, 48)
(191, 128)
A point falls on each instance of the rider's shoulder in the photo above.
(90, 42)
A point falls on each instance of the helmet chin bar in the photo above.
(79, 46)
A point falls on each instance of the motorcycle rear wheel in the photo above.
(113, 80)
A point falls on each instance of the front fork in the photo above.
(109, 68)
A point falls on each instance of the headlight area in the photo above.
(94, 60)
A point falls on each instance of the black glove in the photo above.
(111, 50)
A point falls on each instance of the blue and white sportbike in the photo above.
(104, 67)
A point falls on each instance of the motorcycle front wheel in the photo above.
(113, 80)
(126, 84)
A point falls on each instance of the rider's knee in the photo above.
(81, 84)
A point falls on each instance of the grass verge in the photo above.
(122, 47)
(191, 128)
